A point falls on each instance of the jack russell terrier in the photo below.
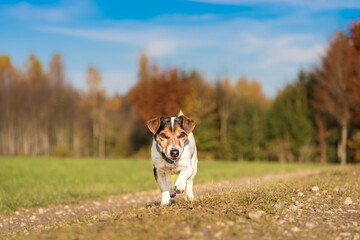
(173, 151)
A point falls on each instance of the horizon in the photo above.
(266, 41)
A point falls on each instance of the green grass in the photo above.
(35, 182)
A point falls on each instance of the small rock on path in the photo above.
(348, 201)
(315, 189)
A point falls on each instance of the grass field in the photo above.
(35, 182)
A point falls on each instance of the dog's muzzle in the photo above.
(174, 153)
(163, 155)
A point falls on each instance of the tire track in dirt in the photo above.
(62, 213)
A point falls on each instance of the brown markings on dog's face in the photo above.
(171, 134)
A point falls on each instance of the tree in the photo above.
(247, 120)
(201, 107)
(225, 93)
(331, 90)
(62, 108)
(94, 103)
(8, 94)
(322, 135)
(158, 93)
(57, 72)
(289, 121)
(354, 80)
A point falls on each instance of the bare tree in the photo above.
(95, 103)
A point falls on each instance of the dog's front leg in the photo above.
(180, 183)
(162, 181)
(189, 190)
(190, 180)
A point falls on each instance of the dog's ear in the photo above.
(188, 124)
(154, 124)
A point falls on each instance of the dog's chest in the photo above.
(159, 161)
(171, 170)
(165, 167)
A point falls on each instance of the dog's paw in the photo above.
(189, 197)
(167, 204)
(172, 193)
(179, 188)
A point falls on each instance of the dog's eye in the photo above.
(181, 135)
(163, 135)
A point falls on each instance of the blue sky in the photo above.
(266, 40)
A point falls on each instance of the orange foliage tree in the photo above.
(158, 93)
(332, 91)
(354, 80)
(247, 120)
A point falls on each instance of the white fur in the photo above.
(186, 167)
(172, 119)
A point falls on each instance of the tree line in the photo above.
(316, 118)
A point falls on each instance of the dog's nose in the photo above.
(174, 153)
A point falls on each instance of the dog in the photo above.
(173, 151)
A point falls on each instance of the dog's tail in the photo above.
(181, 113)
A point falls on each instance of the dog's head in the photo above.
(171, 133)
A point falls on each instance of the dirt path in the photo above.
(22, 220)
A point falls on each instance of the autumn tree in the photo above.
(8, 116)
(158, 93)
(201, 106)
(94, 102)
(36, 112)
(322, 134)
(225, 97)
(354, 80)
(332, 91)
(247, 120)
(61, 105)
(57, 72)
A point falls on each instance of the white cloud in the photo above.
(66, 10)
(292, 54)
(313, 4)
(161, 48)
(154, 43)
(282, 49)
(110, 35)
